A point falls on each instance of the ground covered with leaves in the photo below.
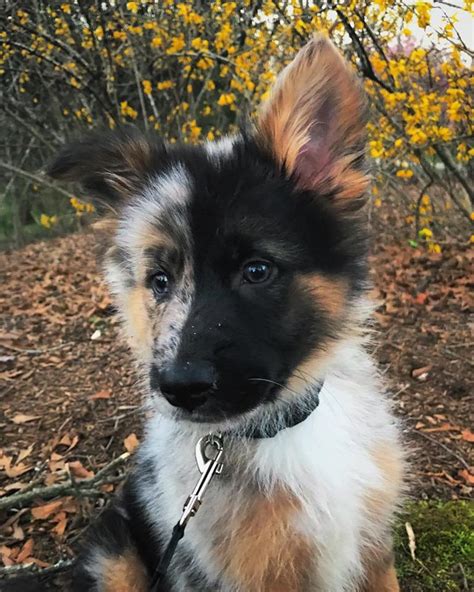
(70, 414)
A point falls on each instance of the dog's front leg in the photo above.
(381, 577)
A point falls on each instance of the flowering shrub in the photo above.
(194, 70)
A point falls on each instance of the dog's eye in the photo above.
(256, 272)
(160, 284)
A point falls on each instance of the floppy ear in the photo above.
(111, 166)
(314, 124)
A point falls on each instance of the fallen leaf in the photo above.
(24, 453)
(445, 427)
(38, 562)
(17, 470)
(6, 555)
(421, 298)
(5, 551)
(26, 551)
(66, 440)
(44, 511)
(18, 533)
(60, 527)
(421, 374)
(22, 418)
(411, 539)
(101, 395)
(467, 476)
(79, 471)
(130, 442)
(17, 486)
(467, 435)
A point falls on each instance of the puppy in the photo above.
(239, 272)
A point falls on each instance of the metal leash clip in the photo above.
(209, 451)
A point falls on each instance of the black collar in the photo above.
(291, 418)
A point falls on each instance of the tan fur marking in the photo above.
(153, 237)
(136, 155)
(138, 319)
(330, 293)
(264, 552)
(107, 225)
(381, 501)
(124, 573)
(380, 574)
(318, 76)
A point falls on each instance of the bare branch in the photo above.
(86, 487)
(36, 178)
(32, 568)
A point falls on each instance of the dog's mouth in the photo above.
(216, 408)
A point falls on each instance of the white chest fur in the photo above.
(328, 464)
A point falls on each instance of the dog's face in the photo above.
(235, 264)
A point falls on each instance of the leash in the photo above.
(209, 450)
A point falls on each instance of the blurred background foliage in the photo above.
(194, 70)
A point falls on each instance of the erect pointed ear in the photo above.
(314, 124)
(111, 166)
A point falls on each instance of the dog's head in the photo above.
(235, 264)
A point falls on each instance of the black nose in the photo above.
(187, 384)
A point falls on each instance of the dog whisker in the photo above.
(283, 386)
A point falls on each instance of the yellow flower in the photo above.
(204, 63)
(48, 221)
(127, 111)
(192, 130)
(146, 87)
(164, 85)
(188, 15)
(157, 41)
(120, 35)
(423, 10)
(132, 6)
(434, 248)
(425, 233)
(404, 173)
(177, 44)
(226, 99)
(199, 43)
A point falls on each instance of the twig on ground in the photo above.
(36, 352)
(32, 568)
(444, 447)
(457, 356)
(86, 487)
